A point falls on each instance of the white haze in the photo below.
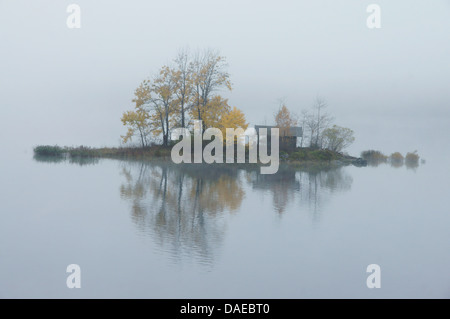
(70, 86)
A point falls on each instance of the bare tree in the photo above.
(320, 121)
(182, 75)
(311, 127)
(314, 123)
(303, 118)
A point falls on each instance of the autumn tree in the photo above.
(338, 138)
(209, 75)
(162, 101)
(156, 100)
(182, 91)
(217, 108)
(137, 120)
(235, 118)
(284, 120)
(137, 123)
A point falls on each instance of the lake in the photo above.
(158, 230)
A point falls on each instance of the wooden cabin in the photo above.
(288, 137)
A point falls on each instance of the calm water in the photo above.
(155, 230)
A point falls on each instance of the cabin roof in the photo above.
(293, 130)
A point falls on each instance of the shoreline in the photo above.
(297, 158)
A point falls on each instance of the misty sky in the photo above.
(70, 86)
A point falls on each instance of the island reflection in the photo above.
(184, 207)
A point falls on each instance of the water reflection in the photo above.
(409, 164)
(184, 208)
(319, 185)
(82, 161)
(49, 159)
(281, 186)
(311, 188)
(412, 165)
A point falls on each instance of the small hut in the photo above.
(288, 137)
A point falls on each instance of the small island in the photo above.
(187, 91)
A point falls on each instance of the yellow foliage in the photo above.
(142, 94)
(232, 119)
(214, 111)
(163, 102)
(284, 120)
(137, 124)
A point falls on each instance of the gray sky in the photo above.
(70, 86)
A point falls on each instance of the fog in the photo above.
(158, 230)
(70, 86)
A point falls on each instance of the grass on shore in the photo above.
(299, 156)
(107, 152)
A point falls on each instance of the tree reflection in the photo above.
(282, 185)
(412, 165)
(312, 187)
(318, 187)
(181, 205)
(184, 208)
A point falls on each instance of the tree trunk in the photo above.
(167, 130)
(182, 116)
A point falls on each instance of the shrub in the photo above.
(412, 159)
(396, 157)
(321, 155)
(47, 150)
(299, 156)
(283, 155)
(374, 157)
